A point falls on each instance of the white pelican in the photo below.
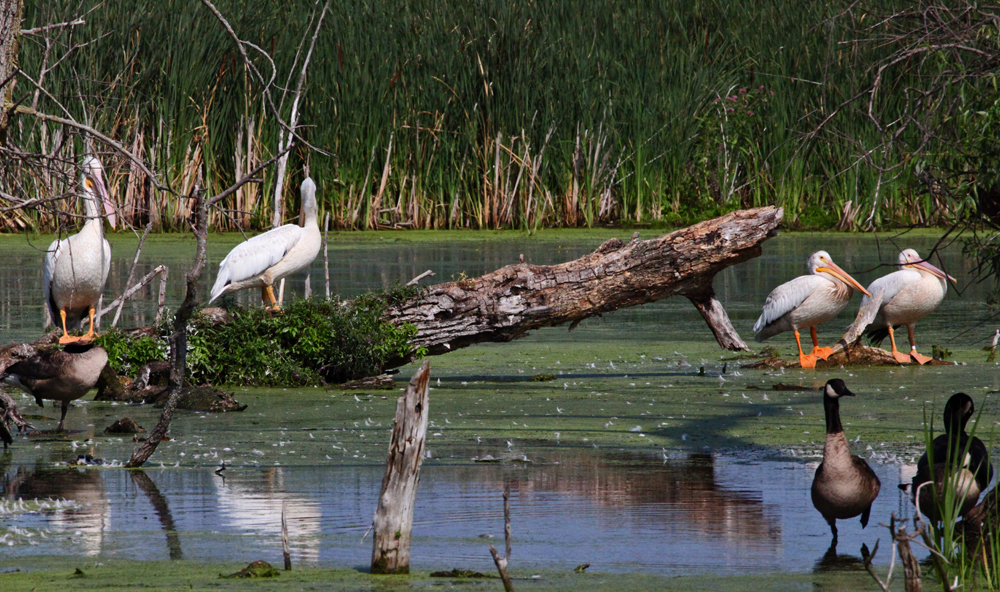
(844, 485)
(58, 375)
(955, 452)
(77, 267)
(910, 295)
(268, 257)
(807, 301)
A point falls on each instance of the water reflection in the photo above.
(253, 503)
(85, 519)
(162, 510)
(697, 513)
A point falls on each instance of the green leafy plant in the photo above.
(308, 343)
(126, 354)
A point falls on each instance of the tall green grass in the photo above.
(478, 114)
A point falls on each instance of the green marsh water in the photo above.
(638, 463)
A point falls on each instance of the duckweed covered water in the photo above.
(631, 458)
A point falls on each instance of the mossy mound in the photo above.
(310, 342)
(257, 569)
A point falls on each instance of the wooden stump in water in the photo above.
(394, 517)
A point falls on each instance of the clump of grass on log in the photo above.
(310, 342)
(127, 353)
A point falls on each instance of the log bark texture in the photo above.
(393, 521)
(507, 303)
(10, 34)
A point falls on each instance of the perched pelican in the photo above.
(807, 301)
(844, 485)
(268, 257)
(955, 452)
(77, 267)
(910, 295)
(59, 375)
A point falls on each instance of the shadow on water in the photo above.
(162, 509)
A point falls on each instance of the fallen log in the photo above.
(507, 303)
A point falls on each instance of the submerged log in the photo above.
(507, 303)
(393, 521)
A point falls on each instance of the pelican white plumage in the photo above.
(910, 294)
(76, 268)
(268, 257)
(807, 301)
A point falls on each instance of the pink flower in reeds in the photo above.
(731, 99)
(743, 91)
(749, 112)
(730, 110)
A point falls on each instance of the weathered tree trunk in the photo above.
(394, 516)
(178, 339)
(506, 304)
(10, 34)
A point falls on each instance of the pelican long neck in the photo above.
(309, 211)
(92, 208)
(832, 408)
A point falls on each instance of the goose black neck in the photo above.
(832, 408)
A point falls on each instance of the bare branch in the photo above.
(37, 30)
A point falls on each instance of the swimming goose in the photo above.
(844, 485)
(58, 375)
(807, 301)
(910, 294)
(76, 267)
(268, 257)
(972, 473)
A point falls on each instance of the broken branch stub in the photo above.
(507, 303)
(393, 521)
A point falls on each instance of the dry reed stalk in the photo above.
(377, 203)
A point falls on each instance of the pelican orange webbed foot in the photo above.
(807, 301)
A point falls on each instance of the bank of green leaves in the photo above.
(310, 342)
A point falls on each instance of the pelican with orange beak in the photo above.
(910, 294)
(76, 268)
(807, 301)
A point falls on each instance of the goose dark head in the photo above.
(832, 392)
(835, 388)
(957, 412)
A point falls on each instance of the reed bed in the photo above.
(472, 113)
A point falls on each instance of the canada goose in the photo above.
(59, 375)
(972, 470)
(807, 301)
(76, 267)
(909, 295)
(268, 257)
(844, 485)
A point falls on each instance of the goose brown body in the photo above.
(844, 486)
(59, 375)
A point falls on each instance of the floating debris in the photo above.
(257, 569)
